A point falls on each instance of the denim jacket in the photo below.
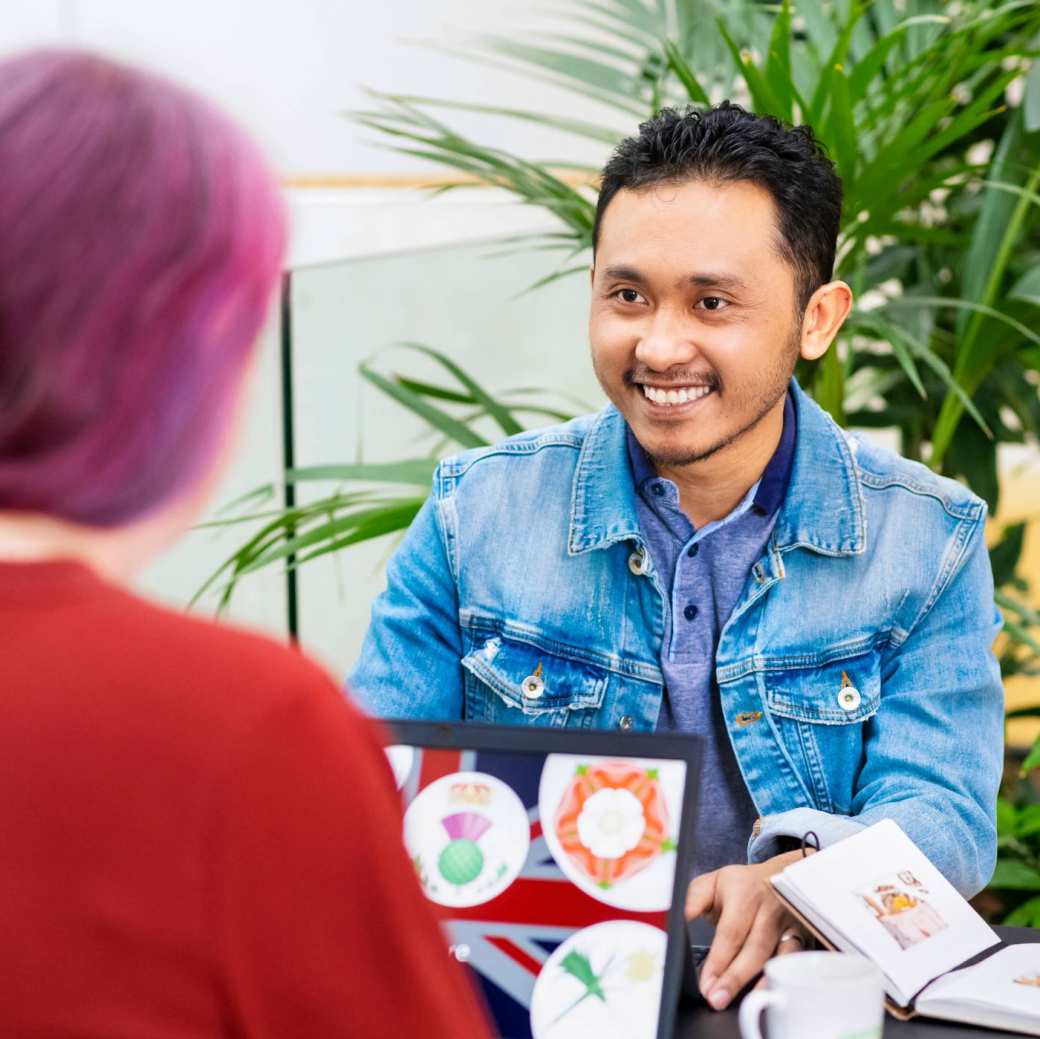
(856, 672)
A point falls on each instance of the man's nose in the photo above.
(666, 342)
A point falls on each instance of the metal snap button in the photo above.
(625, 722)
(848, 696)
(639, 562)
(533, 687)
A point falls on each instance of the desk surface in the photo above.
(702, 1023)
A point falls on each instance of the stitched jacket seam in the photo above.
(876, 481)
(536, 640)
(458, 466)
(962, 538)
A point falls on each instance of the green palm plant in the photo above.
(940, 237)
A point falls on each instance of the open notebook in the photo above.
(877, 894)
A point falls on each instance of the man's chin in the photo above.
(672, 451)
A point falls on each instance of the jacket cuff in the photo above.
(774, 834)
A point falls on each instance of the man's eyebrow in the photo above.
(717, 281)
(702, 279)
(623, 272)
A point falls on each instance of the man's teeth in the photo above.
(680, 396)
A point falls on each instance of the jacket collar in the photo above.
(823, 509)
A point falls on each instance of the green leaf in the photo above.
(577, 127)
(829, 386)
(440, 420)
(764, 101)
(1028, 286)
(1006, 553)
(1020, 634)
(1014, 875)
(1024, 712)
(1032, 760)
(429, 389)
(609, 78)
(415, 471)
(685, 75)
(833, 66)
(996, 233)
(840, 128)
(361, 525)
(1025, 915)
(1023, 610)
(778, 63)
(499, 412)
(1028, 822)
(929, 357)
(973, 455)
(1031, 100)
(1007, 817)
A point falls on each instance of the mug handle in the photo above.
(751, 1009)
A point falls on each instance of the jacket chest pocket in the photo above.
(821, 714)
(512, 682)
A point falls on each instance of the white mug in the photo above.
(826, 995)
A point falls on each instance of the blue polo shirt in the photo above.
(702, 573)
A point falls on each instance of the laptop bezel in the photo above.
(601, 743)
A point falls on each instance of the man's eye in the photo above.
(628, 295)
(713, 303)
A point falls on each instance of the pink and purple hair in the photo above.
(141, 236)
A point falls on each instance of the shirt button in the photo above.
(849, 698)
(625, 722)
(533, 687)
(690, 612)
(638, 562)
(693, 550)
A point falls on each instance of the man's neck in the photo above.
(711, 489)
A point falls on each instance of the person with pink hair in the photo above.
(201, 837)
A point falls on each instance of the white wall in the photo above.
(288, 70)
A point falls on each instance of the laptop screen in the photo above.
(554, 874)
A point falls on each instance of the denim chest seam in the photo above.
(953, 558)
(475, 621)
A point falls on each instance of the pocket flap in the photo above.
(839, 692)
(533, 680)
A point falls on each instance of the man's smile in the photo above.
(674, 400)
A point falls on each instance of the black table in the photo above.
(702, 1023)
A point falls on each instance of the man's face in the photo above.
(693, 324)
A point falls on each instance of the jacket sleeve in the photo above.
(409, 664)
(934, 751)
(320, 923)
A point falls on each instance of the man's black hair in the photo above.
(725, 144)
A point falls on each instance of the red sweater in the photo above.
(199, 837)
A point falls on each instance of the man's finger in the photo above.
(731, 933)
(758, 947)
(700, 895)
(798, 942)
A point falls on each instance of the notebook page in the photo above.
(880, 890)
(842, 942)
(1008, 981)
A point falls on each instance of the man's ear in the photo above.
(826, 313)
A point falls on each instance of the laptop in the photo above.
(557, 862)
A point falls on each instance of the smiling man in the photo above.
(711, 554)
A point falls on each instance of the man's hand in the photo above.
(749, 920)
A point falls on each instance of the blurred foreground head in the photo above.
(141, 236)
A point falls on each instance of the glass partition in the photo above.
(462, 300)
